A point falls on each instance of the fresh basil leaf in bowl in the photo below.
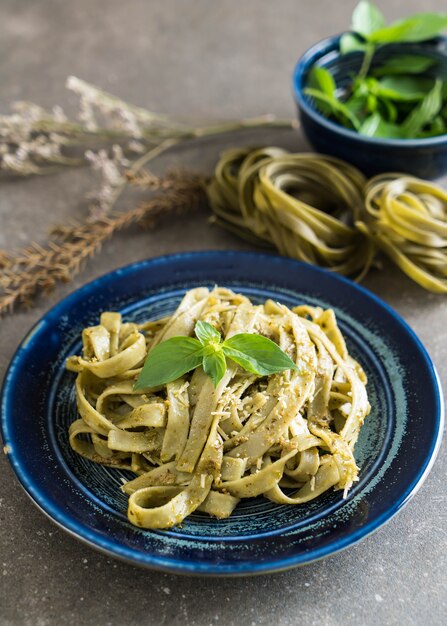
(367, 19)
(404, 64)
(376, 96)
(376, 102)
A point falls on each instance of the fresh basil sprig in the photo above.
(322, 87)
(369, 26)
(177, 356)
(403, 97)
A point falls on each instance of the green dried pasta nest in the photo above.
(322, 210)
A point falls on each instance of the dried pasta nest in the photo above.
(406, 218)
(305, 205)
(323, 211)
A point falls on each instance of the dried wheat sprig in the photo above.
(37, 269)
(33, 141)
(114, 181)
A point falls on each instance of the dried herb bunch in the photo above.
(36, 141)
(37, 269)
(117, 140)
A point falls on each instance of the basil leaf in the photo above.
(367, 18)
(408, 88)
(372, 102)
(376, 126)
(206, 333)
(321, 78)
(437, 127)
(170, 360)
(214, 365)
(322, 82)
(349, 42)
(370, 125)
(404, 64)
(419, 27)
(257, 354)
(389, 109)
(337, 108)
(356, 104)
(424, 112)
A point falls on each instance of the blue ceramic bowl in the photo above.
(426, 158)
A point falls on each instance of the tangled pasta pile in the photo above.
(193, 446)
(323, 211)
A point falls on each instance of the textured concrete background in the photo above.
(197, 58)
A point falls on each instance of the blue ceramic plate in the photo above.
(396, 449)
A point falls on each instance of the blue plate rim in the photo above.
(171, 565)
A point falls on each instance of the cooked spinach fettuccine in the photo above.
(193, 445)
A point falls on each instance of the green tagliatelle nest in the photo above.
(406, 218)
(323, 211)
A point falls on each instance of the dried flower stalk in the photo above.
(37, 269)
(36, 141)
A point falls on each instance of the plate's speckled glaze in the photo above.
(396, 449)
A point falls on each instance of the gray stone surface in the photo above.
(197, 58)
